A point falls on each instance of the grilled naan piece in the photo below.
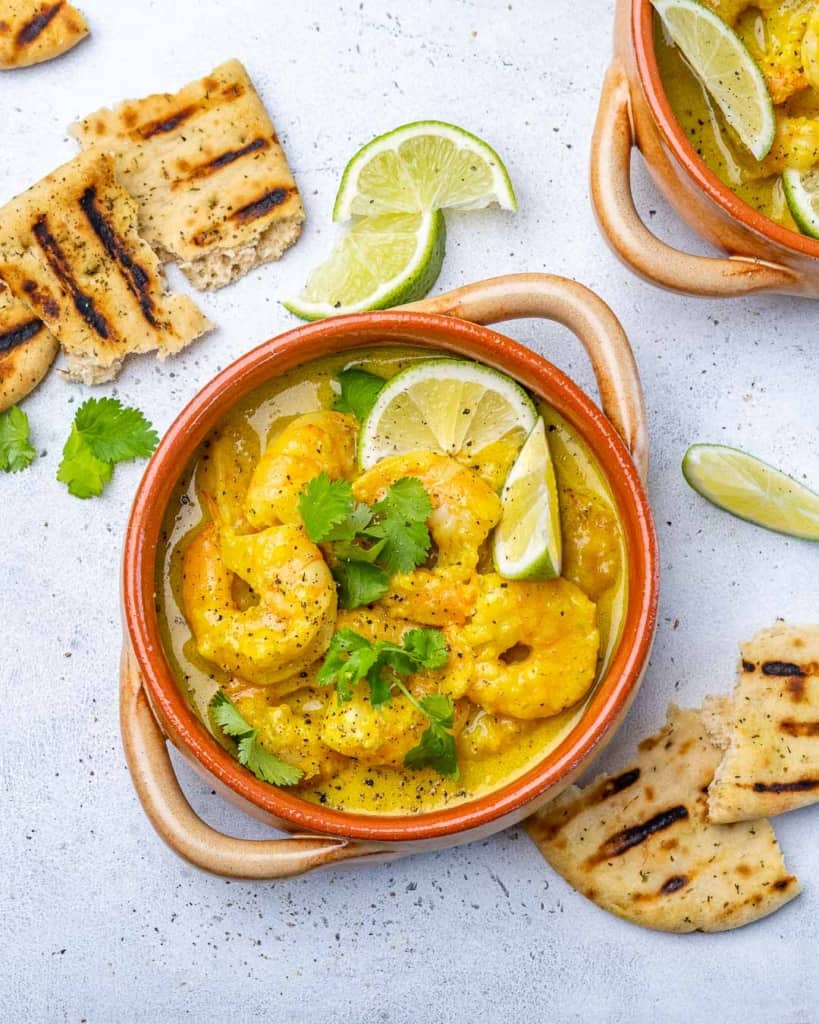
(32, 31)
(27, 349)
(214, 189)
(769, 728)
(640, 844)
(70, 251)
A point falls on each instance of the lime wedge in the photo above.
(752, 490)
(444, 405)
(380, 261)
(723, 64)
(528, 544)
(802, 194)
(426, 165)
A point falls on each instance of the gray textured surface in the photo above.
(100, 922)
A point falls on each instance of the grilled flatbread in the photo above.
(32, 31)
(27, 349)
(640, 845)
(769, 728)
(70, 251)
(214, 189)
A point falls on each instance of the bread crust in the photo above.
(32, 31)
(27, 350)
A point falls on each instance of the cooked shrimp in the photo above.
(385, 734)
(292, 729)
(796, 145)
(225, 471)
(317, 442)
(465, 509)
(535, 647)
(591, 545)
(292, 621)
(810, 50)
(485, 734)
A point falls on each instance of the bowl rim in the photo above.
(642, 37)
(294, 348)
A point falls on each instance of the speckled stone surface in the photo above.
(101, 923)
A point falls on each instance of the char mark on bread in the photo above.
(137, 279)
(61, 268)
(35, 26)
(625, 840)
(20, 335)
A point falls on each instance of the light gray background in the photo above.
(100, 921)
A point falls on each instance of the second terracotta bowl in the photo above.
(153, 707)
(635, 111)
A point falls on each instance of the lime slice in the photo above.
(426, 165)
(444, 405)
(802, 194)
(528, 543)
(380, 261)
(751, 489)
(723, 64)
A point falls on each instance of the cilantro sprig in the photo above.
(104, 432)
(370, 542)
(16, 452)
(250, 752)
(359, 391)
(351, 659)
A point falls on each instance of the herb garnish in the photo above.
(352, 658)
(359, 391)
(370, 542)
(16, 452)
(264, 764)
(104, 433)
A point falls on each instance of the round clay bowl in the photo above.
(512, 801)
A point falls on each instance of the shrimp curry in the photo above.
(345, 631)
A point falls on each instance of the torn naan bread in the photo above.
(640, 844)
(27, 350)
(214, 189)
(70, 251)
(768, 728)
(32, 31)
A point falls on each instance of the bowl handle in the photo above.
(628, 236)
(177, 823)
(585, 314)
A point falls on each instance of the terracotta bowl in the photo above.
(635, 111)
(153, 708)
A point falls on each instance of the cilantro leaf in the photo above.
(249, 751)
(355, 523)
(15, 451)
(352, 658)
(324, 504)
(436, 750)
(84, 474)
(115, 432)
(359, 391)
(104, 433)
(359, 583)
(401, 518)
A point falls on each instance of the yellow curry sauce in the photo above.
(773, 31)
(492, 749)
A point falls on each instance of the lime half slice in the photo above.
(752, 490)
(426, 165)
(528, 543)
(722, 62)
(450, 406)
(379, 262)
(802, 194)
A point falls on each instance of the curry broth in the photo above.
(361, 787)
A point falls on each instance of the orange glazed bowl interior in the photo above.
(612, 694)
(642, 40)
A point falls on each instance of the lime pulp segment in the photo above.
(450, 406)
(748, 488)
(379, 262)
(802, 195)
(425, 165)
